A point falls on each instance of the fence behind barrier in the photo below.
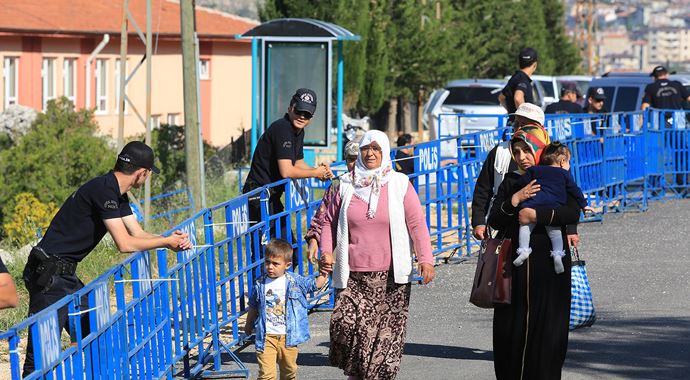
(159, 314)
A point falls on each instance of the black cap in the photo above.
(569, 87)
(597, 93)
(527, 57)
(659, 70)
(305, 100)
(138, 154)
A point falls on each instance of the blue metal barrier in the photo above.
(160, 315)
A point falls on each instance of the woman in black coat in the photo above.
(530, 336)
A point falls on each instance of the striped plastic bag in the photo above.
(581, 303)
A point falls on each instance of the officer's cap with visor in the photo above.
(138, 154)
(597, 93)
(527, 57)
(304, 100)
(658, 71)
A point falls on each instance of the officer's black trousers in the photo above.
(41, 298)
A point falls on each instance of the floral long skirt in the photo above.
(368, 325)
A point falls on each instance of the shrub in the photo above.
(60, 151)
(28, 216)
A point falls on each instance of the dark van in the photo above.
(624, 91)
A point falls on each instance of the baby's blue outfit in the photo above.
(556, 184)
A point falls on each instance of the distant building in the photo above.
(618, 51)
(45, 45)
(668, 45)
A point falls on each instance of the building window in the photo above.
(155, 121)
(101, 86)
(173, 118)
(48, 76)
(204, 69)
(10, 80)
(117, 86)
(69, 79)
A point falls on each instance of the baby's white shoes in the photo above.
(523, 255)
(558, 261)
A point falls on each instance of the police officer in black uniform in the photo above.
(595, 104)
(664, 93)
(518, 90)
(280, 154)
(100, 205)
(567, 103)
(403, 157)
(668, 95)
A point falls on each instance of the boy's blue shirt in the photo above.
(296, 319)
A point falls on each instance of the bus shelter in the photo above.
(292, 53)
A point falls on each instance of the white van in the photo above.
(466, 97)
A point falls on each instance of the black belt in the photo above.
(54, 263)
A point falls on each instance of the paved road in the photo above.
(639, 269)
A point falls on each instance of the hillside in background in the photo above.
(243, 8)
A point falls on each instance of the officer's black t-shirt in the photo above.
(563, 106)
(519, 81)
(405, 164)
(78, 226)
(280, 142)
(665, 94)
(3, 268)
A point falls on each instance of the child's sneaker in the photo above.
(523, 255)
(558, 261)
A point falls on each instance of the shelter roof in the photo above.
(300, 27)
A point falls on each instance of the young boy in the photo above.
(278, 311)
(552, 173)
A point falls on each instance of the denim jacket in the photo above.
(296, 320)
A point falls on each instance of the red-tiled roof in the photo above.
(105, 16)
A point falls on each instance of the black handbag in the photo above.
(493, 275)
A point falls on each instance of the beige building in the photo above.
(618, 52)
(668, 45)
(45, 47)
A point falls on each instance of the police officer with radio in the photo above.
(100, 205)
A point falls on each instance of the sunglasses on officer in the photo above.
(303, 114)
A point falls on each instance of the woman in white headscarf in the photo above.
(371, 226)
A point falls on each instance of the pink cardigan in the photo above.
(370, 241)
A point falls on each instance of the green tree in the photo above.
(167, 143)
(60, 152)
(560, 48)
(424, 37)
(375, 91)
(505, 28)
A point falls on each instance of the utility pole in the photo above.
(585, 30)
(122, 85)
(191, 119)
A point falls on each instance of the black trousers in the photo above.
(274, 206)
(41, 298)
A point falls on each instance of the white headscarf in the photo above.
(368, 182)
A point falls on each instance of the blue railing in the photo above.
(160, 314)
